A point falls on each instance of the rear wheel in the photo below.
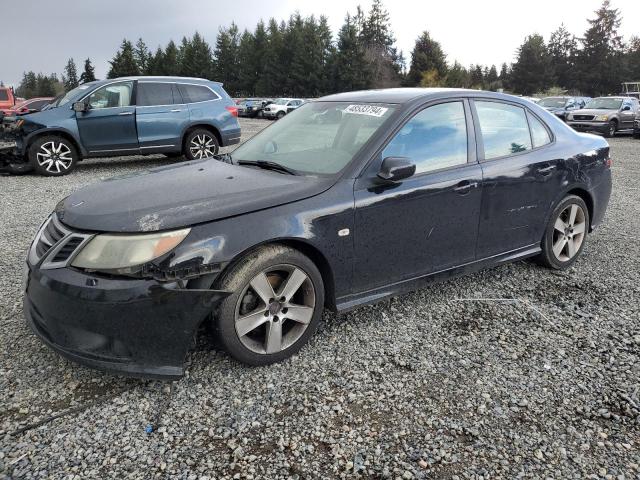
(200, 143)
(279, 115)
(612, 128)
(275, 307)
(566, 234)
(53, 156)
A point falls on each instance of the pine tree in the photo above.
(632, 59)
(142, 56)
(155, 63)
(427, 55)
(197, 60)
(170, 60)
(378, 42)
(600, 61)
(71, 75)
(476, 76)
(88, 75)
(28, 85)
(124, 63)
(457, 77)
(351, 69)
(505, 76)
(562, 49)
(532, 72)
(260, 48)
(226, 57)
(274, 77)
(247, 65)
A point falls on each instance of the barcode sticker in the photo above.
(372, 110)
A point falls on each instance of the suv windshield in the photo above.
(557, 102)
(281, 101)
(605, 104)
(319, 138)
(63, 99)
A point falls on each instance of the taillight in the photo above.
(608, 162)
(233, 110)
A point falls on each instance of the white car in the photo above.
(281, 107)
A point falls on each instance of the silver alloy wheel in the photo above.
(275, 309)
(54, 157)
(202, 146)
(568, 232)
(612, 129)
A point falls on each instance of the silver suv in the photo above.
(281, 107)
(606, 115)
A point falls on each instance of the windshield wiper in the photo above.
(268, 165)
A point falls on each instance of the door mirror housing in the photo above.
(80, 106)
(626, 108)
(394, 169)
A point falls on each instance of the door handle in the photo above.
(126, 113)
(465, 187)
(176, 110)
(546, 170)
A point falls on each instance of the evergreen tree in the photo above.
(505, 76)
(197, 59)
(260, 47)
(155, 63)
(28, 86)
(532, 71)
(124, 62)
(600, 61)
(226, 57)
(274, 77)
(491, 79)
(457, 77)
(170, 60)
(71, 75)
(378, 42)
(247, 64)
(632, 59)
(476, 76)
(427, 55)
(562, 49)
(88, 75)
(351, 69)
(142, 56)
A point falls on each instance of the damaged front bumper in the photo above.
(11, 161)
(136, 327)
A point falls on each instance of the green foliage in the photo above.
(532, 71)
(427, 55)
(142, 56)
(563, 49)
(70, 75)
(39, 85)
(88, 74)
(124, 62)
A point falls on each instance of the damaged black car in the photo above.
(348, 200)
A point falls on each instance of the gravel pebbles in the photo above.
(514, 372)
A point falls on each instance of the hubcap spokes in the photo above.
(55, 157)
(568, 232)
(275, 309)
(202, 146)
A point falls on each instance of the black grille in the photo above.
(55, 245)
(583, 117)
(51, 234)
(67, 249)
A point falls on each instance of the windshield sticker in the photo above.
(371, 110)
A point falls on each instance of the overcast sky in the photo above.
(45, 33)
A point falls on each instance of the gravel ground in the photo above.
(446, 382)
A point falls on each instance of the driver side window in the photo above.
(110, 96)
(434, 138)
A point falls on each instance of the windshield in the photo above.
(605, 104)
(282, 101)
(63, 99)
(319, 138)
(557, 102)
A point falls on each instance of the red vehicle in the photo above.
(7, 99)
(27, 106)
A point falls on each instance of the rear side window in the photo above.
(196, 93)
(4, 95)
(539, 134)
(504, 129)
(434, 138)
(149, 94)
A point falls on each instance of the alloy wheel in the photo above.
(202, 146)
(275, 309)
(612, 129)
(54, 157)
(568, 232)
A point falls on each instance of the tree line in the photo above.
(300, 57)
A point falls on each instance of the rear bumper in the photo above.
(129, 326)
(600, 195)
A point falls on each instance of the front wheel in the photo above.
(52, 156)
(200, 143)
(276, 305)
(566, 234)
(279, 115)
(611, 129)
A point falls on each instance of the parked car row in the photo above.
(268, 108)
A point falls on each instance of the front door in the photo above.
(109, 124)
(429, 221)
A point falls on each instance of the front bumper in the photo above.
(129, 326)
(269, 114)
(588, 125)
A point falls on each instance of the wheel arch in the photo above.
(205, 126)
(584, 194)
(54, 132)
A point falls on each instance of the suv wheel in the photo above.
(566, 234)
(611, 129)
(200, 143)
(53, 156)
(276, 305)
(279, 115)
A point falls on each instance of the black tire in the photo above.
(52, 156)
(200, 143)
(636, 134)
(612, 128)
(552, 235)
(279, 115)
(238, 279)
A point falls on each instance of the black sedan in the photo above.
(350, 199)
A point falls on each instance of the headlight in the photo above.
(113, 251)
(602, 118)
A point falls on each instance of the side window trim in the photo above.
(552, 137)
(185, 100)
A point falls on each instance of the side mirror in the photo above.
(80, 106)
(394, 169)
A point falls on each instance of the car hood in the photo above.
(555, 109)
(182, 195)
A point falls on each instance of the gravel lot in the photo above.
(515, 372)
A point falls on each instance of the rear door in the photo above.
(109, 125)
(521, 176)
(161, 116)
(628, 116)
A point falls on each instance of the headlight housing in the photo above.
(602, 118)
(113, 252)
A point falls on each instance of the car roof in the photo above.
(157, 78)
(406, 95)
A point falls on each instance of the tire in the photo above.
(279, 115)
(636, 134)
(611, 129)
(269, 268)
(567, 236)
(52, 156)
(200, 143)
